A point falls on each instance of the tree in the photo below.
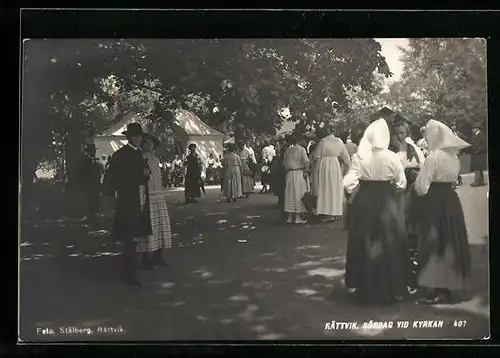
(71, 85)
(363, 103)
(444, 79)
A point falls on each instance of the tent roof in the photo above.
(120, 126)
(191, 124)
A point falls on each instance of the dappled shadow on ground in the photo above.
(235, 273)
(285, 286)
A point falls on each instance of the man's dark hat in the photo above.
(133, 129)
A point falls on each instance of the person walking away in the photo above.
(479, 156)
(152, 246)
(192, 184)
(268, 154)
(377, 263)
(296, 164)
(89, 174)
(231, 163)
(128, 176)
(326, 176)
(247, 162)
(444, 257)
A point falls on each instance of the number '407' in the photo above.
(459, 324)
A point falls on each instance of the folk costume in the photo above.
(443, 250)
(377, 262)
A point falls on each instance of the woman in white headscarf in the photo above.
(443, 251)
(377, 263)
(326, 176)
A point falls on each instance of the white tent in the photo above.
(112, 139)
(189, 128)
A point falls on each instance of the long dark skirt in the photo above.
(444, 256)
(192, 188)
(377, 263)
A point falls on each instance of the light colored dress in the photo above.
(160, 220)
(327, 175)
(295, 162)
(247, 178)
(231, 188)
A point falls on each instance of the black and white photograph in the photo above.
(253, 189)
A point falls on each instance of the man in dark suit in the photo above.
(479, 155)
(128, 176)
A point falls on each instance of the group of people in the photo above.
(405, 222)
(403, 204)
(396, 197)
(141, 221)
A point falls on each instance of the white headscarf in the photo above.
(440, 136)
(376, 136)
(420, 153)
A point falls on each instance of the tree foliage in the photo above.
(74, 85)
(443, 79)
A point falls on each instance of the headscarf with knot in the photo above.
(376, 136)
(440, 136)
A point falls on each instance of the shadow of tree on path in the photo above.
(234, 274)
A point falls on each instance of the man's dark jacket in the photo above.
(479, 155)
(124, 176)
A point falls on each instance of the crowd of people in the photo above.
(405, 223)
(397, 199)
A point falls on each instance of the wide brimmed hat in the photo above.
(152, 138)
(133, 129)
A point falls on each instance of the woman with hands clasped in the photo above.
(377, 264)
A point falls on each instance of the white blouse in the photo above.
(332, 147)
(295, 158)
(440, 166)
(383, 165)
